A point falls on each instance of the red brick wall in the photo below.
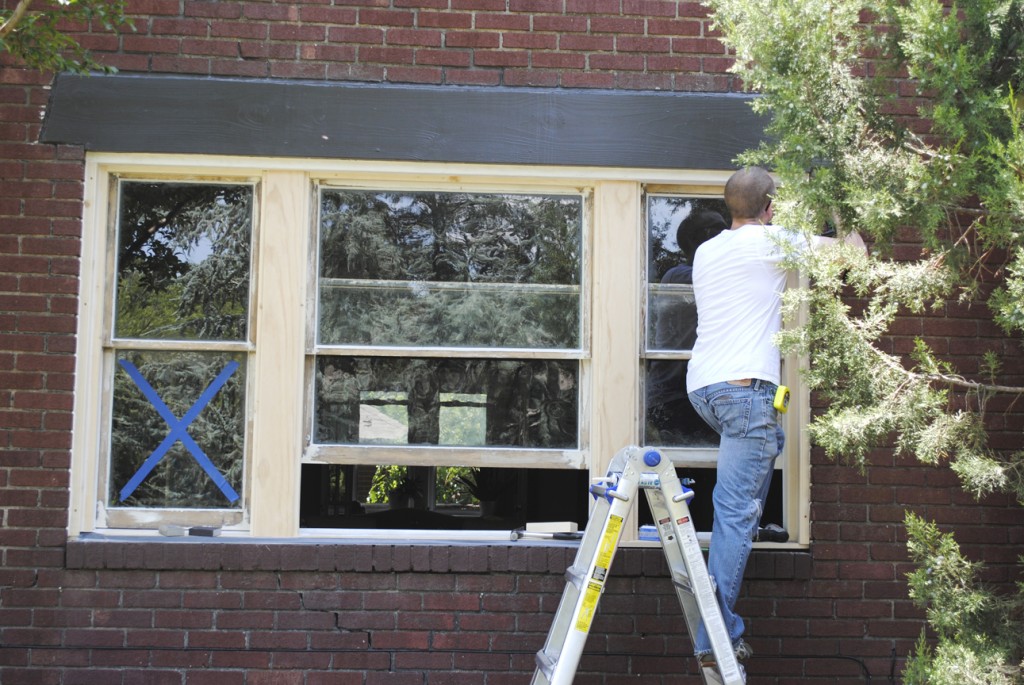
(629, 44)
(248, 613)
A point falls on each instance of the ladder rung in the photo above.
(546, 663)
(575, 575)
(605, 491)
(711, 676)
(688, 494)
(682, 581)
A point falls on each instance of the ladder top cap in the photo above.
(652, 458)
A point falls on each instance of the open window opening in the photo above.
(389, 496)
(702, 482)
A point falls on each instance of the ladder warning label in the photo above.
(607, 548)
(589, 607)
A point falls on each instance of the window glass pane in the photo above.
(471, 402)
(177, 435)
(671, 419)
(449, 269)
(383, 418)
(463, 419)
(676, 226)
(183, 261)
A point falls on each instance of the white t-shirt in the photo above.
(737, 284)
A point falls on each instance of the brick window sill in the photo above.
(286, 555)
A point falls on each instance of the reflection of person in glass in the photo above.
(671, 419)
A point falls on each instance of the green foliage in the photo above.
(978, 631)
(387, 479)
(947, 172)
(35, 32)
(1008, 303)
(450, 485)
(845, 154)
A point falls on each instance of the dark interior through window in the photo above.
(440, 498)
(702, 506)
(335, 496)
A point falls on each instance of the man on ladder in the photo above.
(733, 382)
(733, 377)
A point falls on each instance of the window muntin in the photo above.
(178, 363)
(434, 269)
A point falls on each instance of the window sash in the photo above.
(793, 463)
(205, 229)
(575, 457)
(112, 511)
(527, 403)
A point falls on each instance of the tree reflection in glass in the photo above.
(138, 430)
(449, 269)
(183, 261)
(455, 402)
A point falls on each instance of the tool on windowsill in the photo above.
(554, 530)
(773, 532)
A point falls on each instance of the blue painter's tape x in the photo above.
(178, 430)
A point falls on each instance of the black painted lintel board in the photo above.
(276, 118)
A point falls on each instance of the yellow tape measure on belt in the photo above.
(781, 402)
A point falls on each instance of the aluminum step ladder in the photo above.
(634, 469)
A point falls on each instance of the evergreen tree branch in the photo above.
(16, 16)
(36, 39)
(948, 177)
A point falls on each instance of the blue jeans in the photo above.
(751, 438)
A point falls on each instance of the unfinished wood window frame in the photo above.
(280, 348)
(97, 347)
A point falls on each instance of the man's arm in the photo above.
(828, 236)
(855, 240)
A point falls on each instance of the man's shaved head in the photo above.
(748, 192)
